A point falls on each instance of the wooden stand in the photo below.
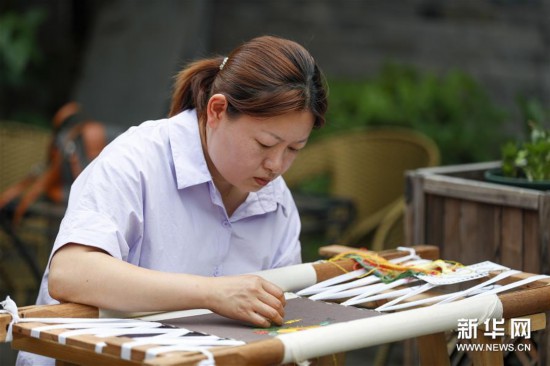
(79, 350)
(530, 302)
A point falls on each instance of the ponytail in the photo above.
(193, 85)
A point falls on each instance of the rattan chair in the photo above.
(367, 166)
(23, 249)
(22, 147)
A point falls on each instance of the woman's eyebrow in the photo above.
(281, 139)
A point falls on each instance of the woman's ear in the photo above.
(216, 109)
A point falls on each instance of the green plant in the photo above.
(530, 159)
(18, 44)
(452, 109)
(532, 110)
(21, 65)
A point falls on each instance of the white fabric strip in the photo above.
(463, 293)
(411, 304)
(74, 320)
(104, 313)
(322, 286)
(35, 332)
(10, 307)
(172, 333)
(337, 292)
(377, 289)
(513, 285)
(356, 291)
(160, 332)
(342, 337)
(199, 341)
(153, 352)
(99, 347)
(290, 295)
(434, 299)
(391, 294)
(412, 255)
(110, 332)
(174, 315)
(417, 290)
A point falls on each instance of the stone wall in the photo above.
(505, 45)
(131, 49)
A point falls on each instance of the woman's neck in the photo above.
(232, 198)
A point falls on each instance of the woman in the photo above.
(172, 212)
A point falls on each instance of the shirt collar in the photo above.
(185, 143)
(265, 200)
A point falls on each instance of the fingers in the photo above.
(274, 301)
(267, 308)
(275, 291)
(272, 314)
(259, 320)
(250, 299)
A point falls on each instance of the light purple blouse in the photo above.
(149, 200)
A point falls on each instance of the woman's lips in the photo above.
(261, 181)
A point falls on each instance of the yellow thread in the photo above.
(339, 266)
(296, 329)
(293, 321)
(374, 260)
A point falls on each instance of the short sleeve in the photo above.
(106, 207)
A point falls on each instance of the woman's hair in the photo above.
(264, 77)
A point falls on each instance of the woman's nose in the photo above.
(274, 162)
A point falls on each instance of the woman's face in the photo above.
(248, 152)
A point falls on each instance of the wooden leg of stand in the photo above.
(337, 359)
(433, 350)
(382, 352)
(485, 357)
(543, 351)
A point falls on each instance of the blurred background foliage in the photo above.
(18, 44)
(22, 63)
(533, 110)
(452, 109)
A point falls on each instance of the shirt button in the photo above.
(226, 223)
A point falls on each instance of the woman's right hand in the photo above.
(248, 298)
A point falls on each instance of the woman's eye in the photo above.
(263, 145)
(293, 149)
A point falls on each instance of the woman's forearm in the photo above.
(86, 275)
(89, 276)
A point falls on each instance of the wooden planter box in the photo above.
(472, 220)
